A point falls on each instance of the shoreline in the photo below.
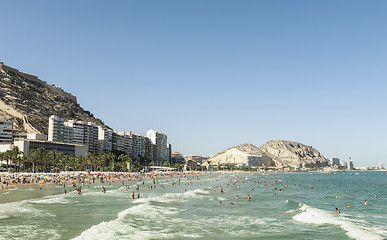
(10, 181)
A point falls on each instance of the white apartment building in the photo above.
(5, 131)
(76, 132)
(55, 129)
(118, 143)
(381, 165)
(105, 138)
(159, 140)
(140, 146)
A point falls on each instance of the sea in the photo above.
(205, 206)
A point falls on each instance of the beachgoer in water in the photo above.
(248, 197)
(337, 210)
(349, 205)
(365, 203)
(376, 195)
(237, 197)
(103, 190)
(132, 195)
(232, 203)
(138, 196)
(220, 203)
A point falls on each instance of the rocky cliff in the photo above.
(29, 101)
(274, 153)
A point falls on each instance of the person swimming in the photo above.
(366, 203)
(337, 210)
(237, 197)
(248, 197)
(349, 205)
(232, 203)
(220, 203)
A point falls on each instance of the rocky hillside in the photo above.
(238, 155)
(28, 102)
(294, 154)
(274, 153)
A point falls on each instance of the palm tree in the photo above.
(64, 161)
(79, 162)
(102, 160)
(12, 156)
(91, 160)
(111, 156)
(125, 159)
(52, 157)
(38, 156)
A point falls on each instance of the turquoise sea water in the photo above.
(303, 209)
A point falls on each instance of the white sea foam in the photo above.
(22, 232)
(354, 229)
(120, 228)
(174, 197)
(51, 199)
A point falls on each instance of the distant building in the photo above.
(176, 157)
(335, 162)
(169, 147)
(159, 140)
(381, 165)
(344, 164)
(350, 164)
(254, 161)
(5, 131)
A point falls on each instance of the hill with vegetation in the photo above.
(28, 102)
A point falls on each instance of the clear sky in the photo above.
(215, 74)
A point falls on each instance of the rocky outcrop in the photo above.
(28, 102)
(240, 155)
(293, 154)
(277, 153)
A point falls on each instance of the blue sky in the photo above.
(214, 74)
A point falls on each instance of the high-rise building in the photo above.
(344, 164)
(105, 138)
(118, 143)
(381, 165)
(55, 129)
(83, 133)
(76, 132)
(350, 164)
(159, 140)
(335, 162)
(5, 131)
(169, 152)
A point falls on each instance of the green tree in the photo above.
(125, 159)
